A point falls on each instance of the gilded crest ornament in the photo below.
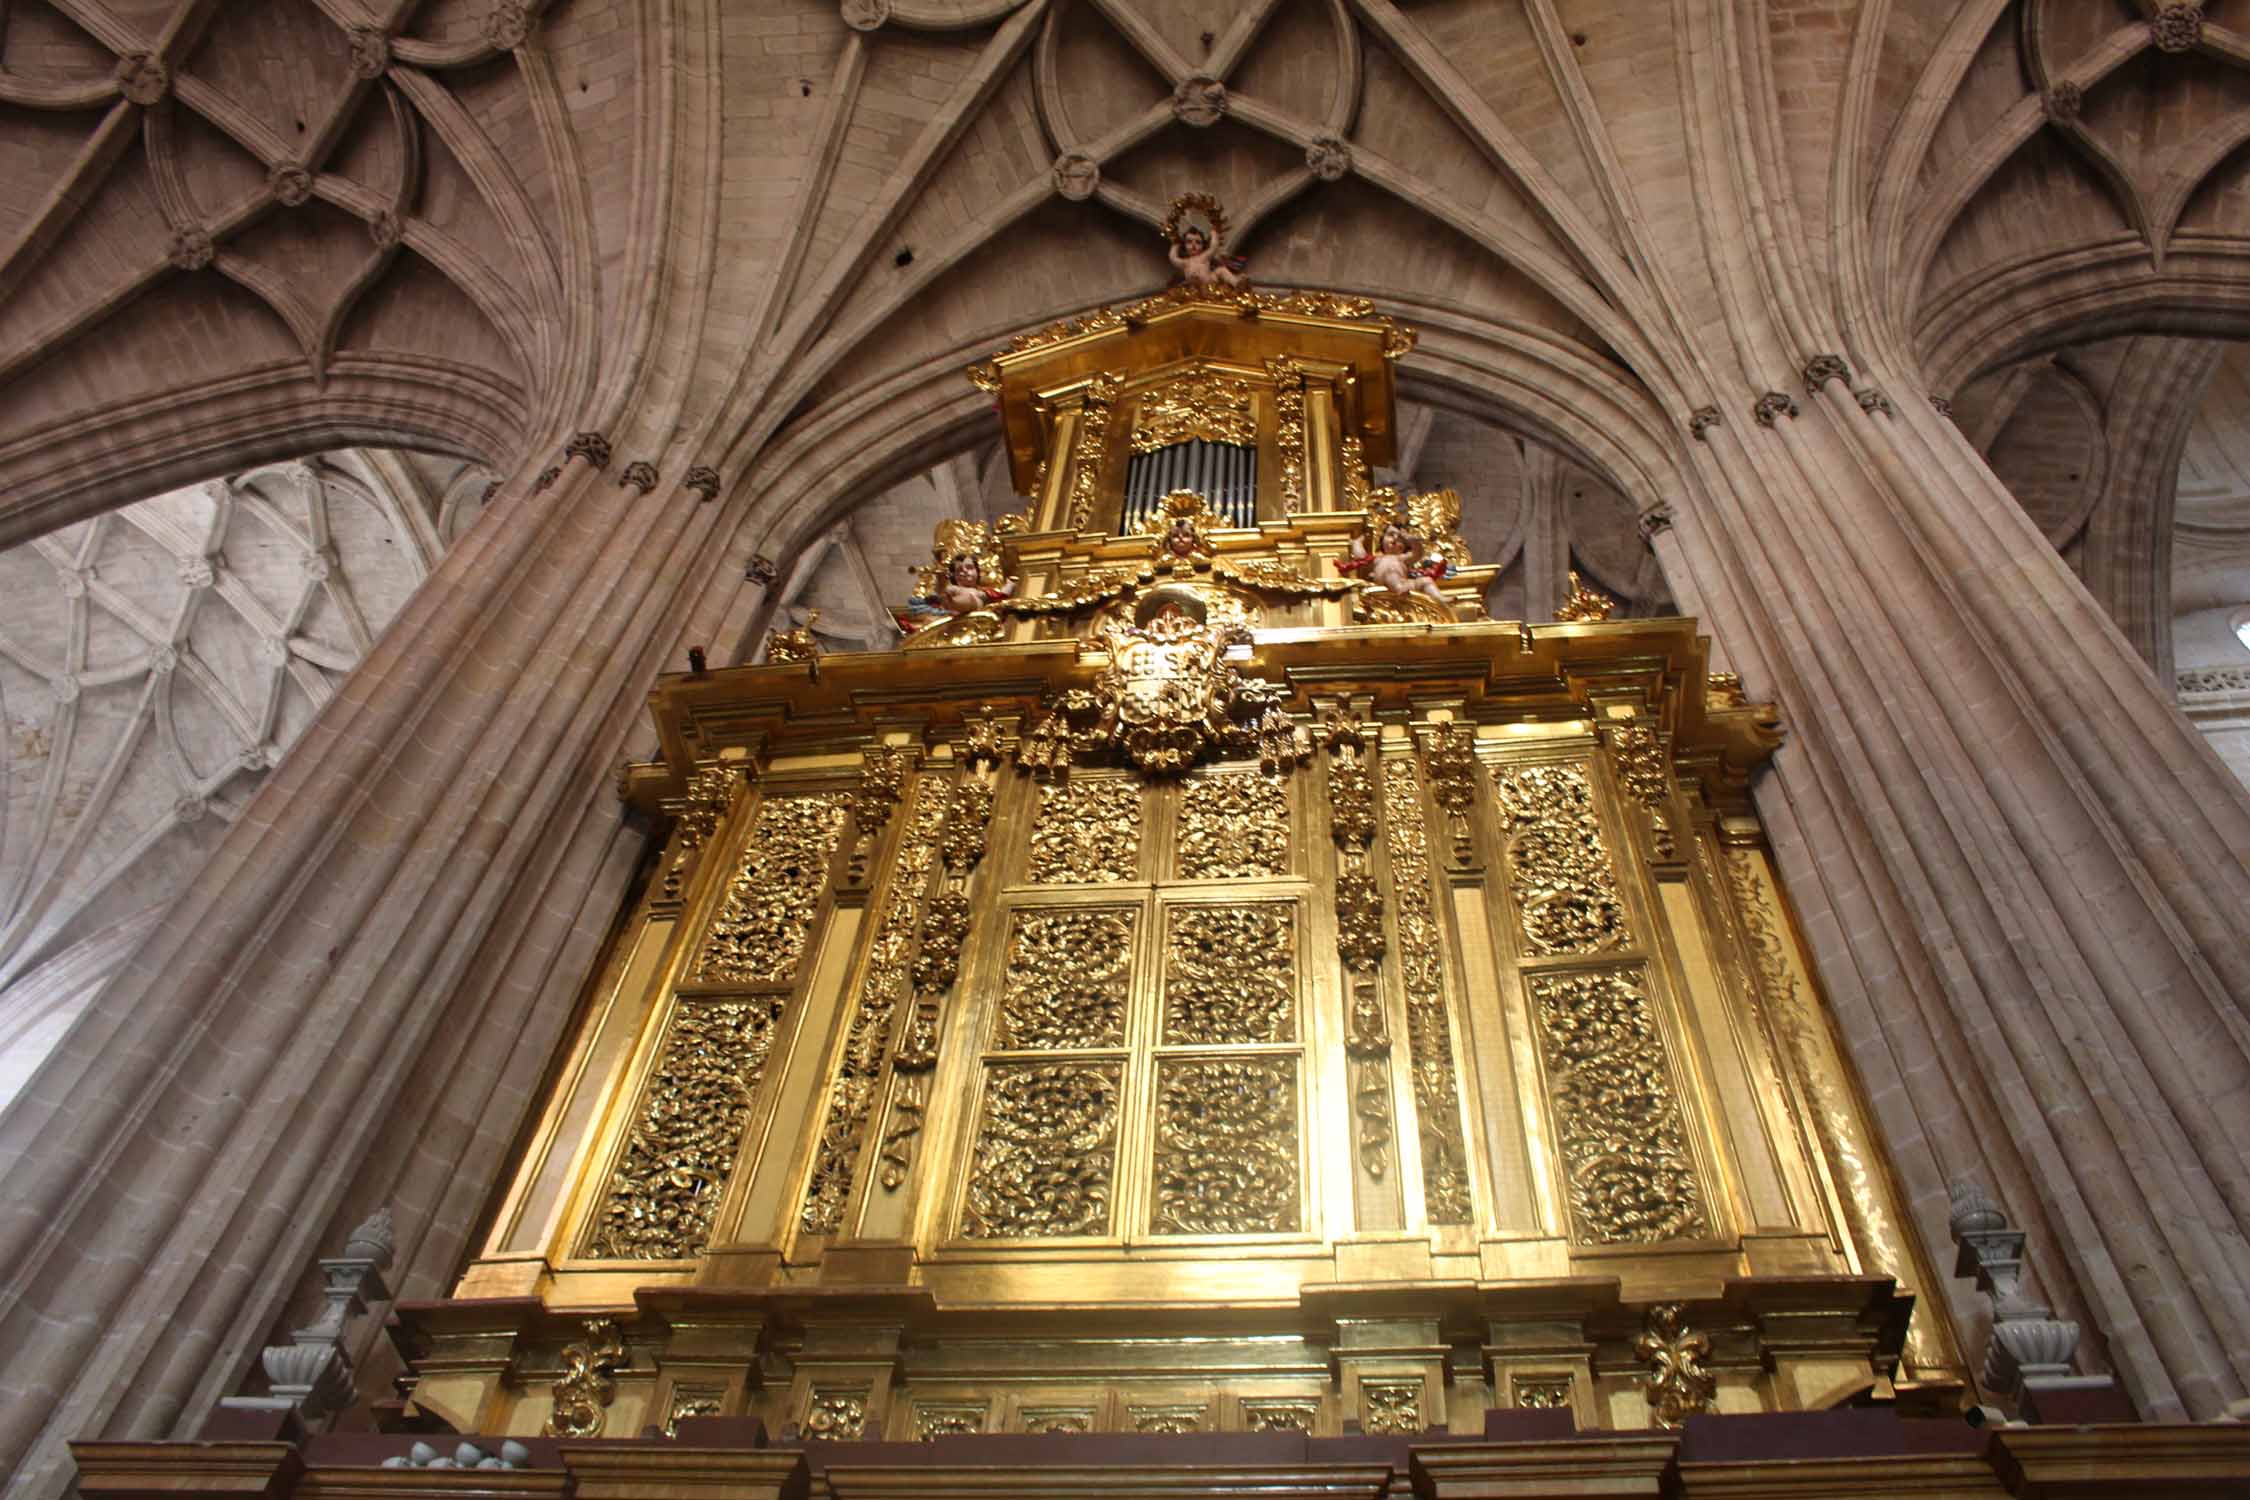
(583, 1392)
(1167, 697)
(1679, 1386)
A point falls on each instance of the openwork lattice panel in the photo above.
(1230, 973)
(1067, 975)
(1045, 1160)
(1226, 1146)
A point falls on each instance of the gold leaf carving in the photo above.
(1092, 446)
(1626, 1163)
(692, 1401)
(766, 917)
(1394, 1408)
(837, 1415)
(583, 1392)
(1559, 869)
(1058, 1419)
(1679, 1386)
(1646, 775)
(1088, 831)
(1230, 973)
(947, 1421)
(1263, 1415)
(1166, 1419)
(1214, 408)
(682, 1146)
(1289, 437)
(1066, 979)
(1234, 825)
(1045, 1159)
(1437, 1089)
(859, 1072)
(1542, 1392)
(1226, 1146)
(710, 792)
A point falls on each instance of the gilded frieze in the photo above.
(837, 1415)
(682, 1145)
(692, 1401)
(766, 918)
(1066, 979)
(1623, 1136)
(935, 1421)
(1394, 1408)
(1230, 973)
(1214, 408)
(1045, 1159)
(1279, 1414)
(1226, 1146)
(1045, 1419)
(883, 988)
(1429, 1039)
(1087, 832)
(1542, 1392)
(1170, 1420)
(1559, 868)
(1233, 825)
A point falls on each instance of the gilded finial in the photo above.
(1585, 602)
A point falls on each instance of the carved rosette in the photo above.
(142, 78)
(1199, 100)
(1429, 1038)
(290, 184)
(507, 25)
(1076, 176)
(191, 249)
(370, 52)
(1328, 158)
(2177, 28)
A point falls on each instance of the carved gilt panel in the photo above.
(1429, 1039)
(1067, 978)
(1087, 831)
(1230, 973)
(766, 917)
(1233, 825)
(1226, 1146)
(683, 1142)
(1630, 1176)
(1559, 867)
(1045, 1159)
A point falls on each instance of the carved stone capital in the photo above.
(1199, 101)
(371, 52)
(591, 446)
(704, 480)
(547, 477)
(640, 475)
(1702, 420)
(1655, 521)
(190, 250)
(762, 570)
(1822, 368)
(1772, 405)
(866, 15)
(1942, 405)
(1328, 158)
(1076, 176)
(1872, 401)
(2177, 28)
(143, 78)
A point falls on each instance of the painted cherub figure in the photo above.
(959, 591)
(1197, 259)
(1182, 541)
(1397, 563)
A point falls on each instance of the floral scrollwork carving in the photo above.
(1234, 824)
(1678, 1385)
(837, 1415)
(1066, 978)
(1452, 758)
(710, 792)
(766, 916)
(967, 829)
(1045, 1160)
(1087, 831)
(859, 1071)
(1289, 436)
(584, 1390)
(1394, 1408)
(1646, 772)
(1559, 869)
(1230, 973)
(682, 1145)
(1429, 1038)
(1226, 1146)
(1093, 442)
(1627, 1169)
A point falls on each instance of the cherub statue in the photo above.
(1198, 250)
(1397, 563)
(1179, 526)
(955, 583)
